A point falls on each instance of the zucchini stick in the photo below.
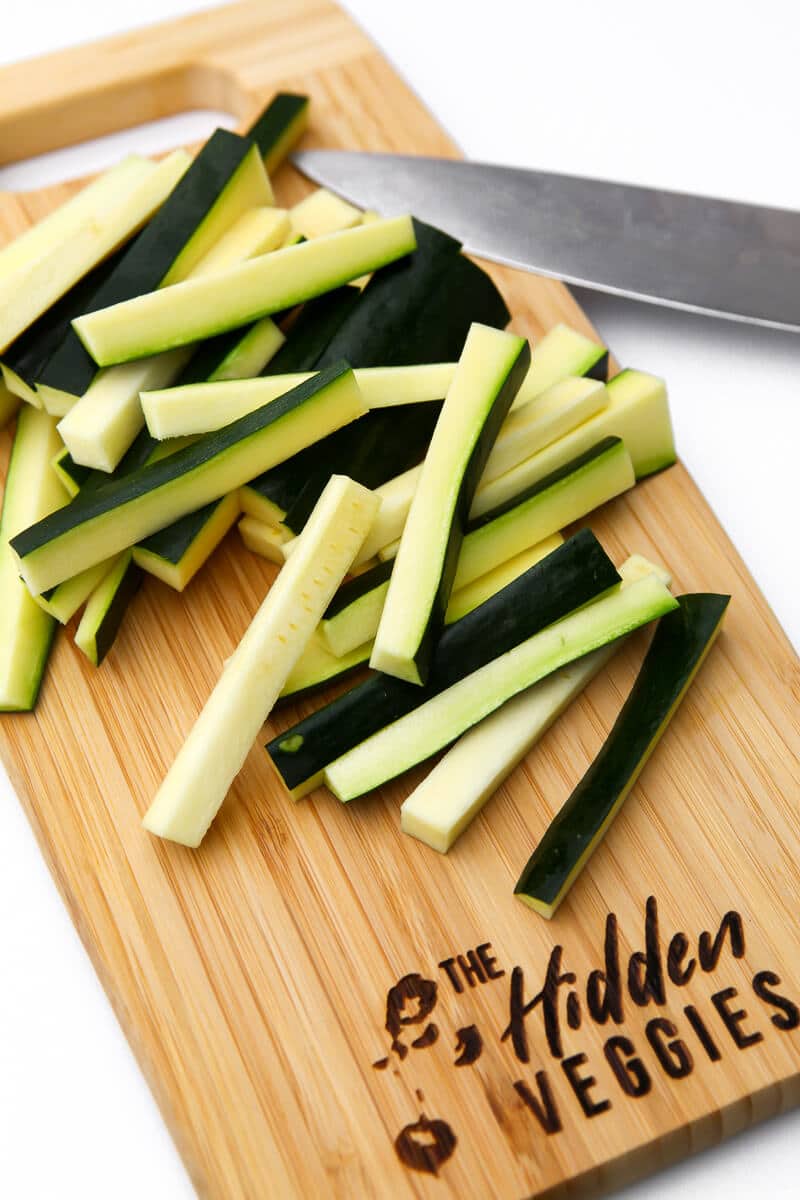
(254, 675)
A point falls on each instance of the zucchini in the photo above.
(317, 667)
(200, 308)
(91, 202)
(679, 646)
(31, 492)
(449, 798)
(543, 420)
(104, 422)
(240, 354)
(107, 605)
(252, 679)
(249, 351)
(225, 180)
(443, 718)
(637, 411)
(264, 540)
(205, 407)
(175, 554)
(416, 310)
(486, 381)
(575, 573)
(369, 455)
(471, 595)
(28, 354)
(124, 511)
(320, 666)
(524, 432)
(63, 602)
(321, 213)
(71, 474)
(563, 497)
(268, 497)
(256, 231)
(311, 330)
(35, 287)
(280, 127)
(562, 352)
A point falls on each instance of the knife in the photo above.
(724, 259)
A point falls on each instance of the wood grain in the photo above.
(251, 977)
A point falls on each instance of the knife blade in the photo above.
(718, 257)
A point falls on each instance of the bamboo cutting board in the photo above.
(322, 1006)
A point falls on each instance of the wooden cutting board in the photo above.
(318, 1002)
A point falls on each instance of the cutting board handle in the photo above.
(88, 91)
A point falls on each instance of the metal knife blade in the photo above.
(725, 259)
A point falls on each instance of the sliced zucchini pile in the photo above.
(342, 385)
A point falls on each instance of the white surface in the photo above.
(682, 96)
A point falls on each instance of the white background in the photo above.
(679, 95)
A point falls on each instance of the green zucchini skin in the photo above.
(311, 331)
(71, 474)
(278, 128)
(173, 542)
(569, 577)
(679, 645)
(97, 640)
(148, 260)
(542, 485)
(496, 400)
(376, 576)
(32, 350)
(416, 310)
(599, 369)
(355, 588)
(307, 339)
(377, 454)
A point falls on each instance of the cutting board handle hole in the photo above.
(82, 134)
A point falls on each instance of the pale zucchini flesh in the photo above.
(176, 554)
(253, 350)
(106, 607)
(442, 719)
(200, 308)
(225, 180)
(486, 380)
(637, 411)
(32, 490)
(253, 677)
(124, 512)
(203, 407)
(321, 213)
(91, 202)
(64, 601)
(561, 352)
(453, 793)
(544, 420)
(31, 291)
(102, 425)
(263, 539)
(257, 231)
